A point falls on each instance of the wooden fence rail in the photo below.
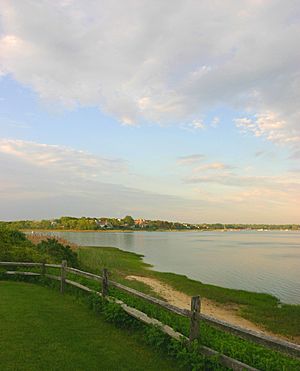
(150, 299)
(194, 314)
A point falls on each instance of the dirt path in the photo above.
(228, 313)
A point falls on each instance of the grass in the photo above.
(245, 351)
(262, 309)
(42, 330)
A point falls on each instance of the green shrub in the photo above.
(14, 246)
(58, 251)
(10, 236)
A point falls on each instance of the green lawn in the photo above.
(259, 308)
(43, 330)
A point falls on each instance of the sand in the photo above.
(225, 312)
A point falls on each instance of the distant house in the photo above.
(103, 224)
(141, 223)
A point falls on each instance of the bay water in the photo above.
(261, 261)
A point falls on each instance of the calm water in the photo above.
(257, 261)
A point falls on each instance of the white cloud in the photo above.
(287, 181)
(190, 159)
(160, 61)
(270, 126)
(197, 124)
(295, 155)
(59, 158)
(272, 198)
(212, 166)
(43, 181)
(215, 122)
(244, 191)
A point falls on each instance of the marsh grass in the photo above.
(263, 309)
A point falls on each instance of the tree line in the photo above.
(129, 223)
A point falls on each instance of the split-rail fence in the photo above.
(194, 314)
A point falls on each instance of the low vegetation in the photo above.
(36, 238)
(262, 309)
(14, 246)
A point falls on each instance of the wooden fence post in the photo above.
(104, 282)
(43, 269)
(63, 276)
(195, 308)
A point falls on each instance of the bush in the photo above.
(58, 252)
(14, 246)
(13, 237)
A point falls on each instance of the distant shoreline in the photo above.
(157, 230)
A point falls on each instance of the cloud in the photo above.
(14, 123)
(295, 155)
(238, 189)
(287, 181)
(190, 159)
(59, 158)
(260, 153)
(212, 166)
(253, 197)
(269, 125)
(44, 181)
(165, 63)
(215, 122)
(197, 124)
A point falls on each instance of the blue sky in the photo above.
(191, 121)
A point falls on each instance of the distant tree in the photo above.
(128, 220)
(115, 222)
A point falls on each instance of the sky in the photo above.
(178, 110)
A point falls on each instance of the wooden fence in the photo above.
(194, 314)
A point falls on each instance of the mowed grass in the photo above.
(43, 330)
(263, 309)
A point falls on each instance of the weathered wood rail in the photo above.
(194, 314)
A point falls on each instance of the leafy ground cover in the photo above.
(42, 330)
(262, 309)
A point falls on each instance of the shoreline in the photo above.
(157, 230)
(228, 312)
(265, 311)
(43, 232)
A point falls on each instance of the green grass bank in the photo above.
(42, 330)
(263, 309)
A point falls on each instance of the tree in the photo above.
(128, 220)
